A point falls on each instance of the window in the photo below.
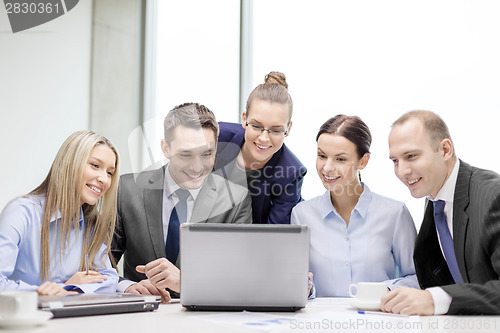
(377, 60)
(192, 56)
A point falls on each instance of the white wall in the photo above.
(44, 95)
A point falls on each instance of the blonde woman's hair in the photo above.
(61, 188)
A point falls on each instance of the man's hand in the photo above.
(408, 301)
(51, 288)
(82, 277)
(162, 274)
(145, 287)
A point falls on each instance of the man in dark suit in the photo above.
(153, 204)
(457, 251)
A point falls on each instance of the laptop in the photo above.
(244, 266)
(97, 304)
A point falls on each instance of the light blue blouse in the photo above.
(377, 246)
(20, 227)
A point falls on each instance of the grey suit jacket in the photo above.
(476, 234)
(139, 227)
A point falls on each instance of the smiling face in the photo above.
(191, 154)
(338, 163)
(259, 146)
(417, 163)
(97, 174)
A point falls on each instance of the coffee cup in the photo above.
(18, 304)
(368, 291)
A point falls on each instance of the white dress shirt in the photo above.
(170, 199)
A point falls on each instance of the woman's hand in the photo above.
(310, 284)
(82, 278)
(51, 288)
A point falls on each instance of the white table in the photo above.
(321, 315)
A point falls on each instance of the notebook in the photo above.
(244, 266)
(97, 304)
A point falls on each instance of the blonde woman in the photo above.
(56, 239)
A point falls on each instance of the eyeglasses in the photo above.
(272, 132)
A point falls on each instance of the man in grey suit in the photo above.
(457, 251)
(153, 204)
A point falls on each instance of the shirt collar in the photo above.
(447, 192)
(327, 208)
(171, 186)
(364, 201)
(57, 216)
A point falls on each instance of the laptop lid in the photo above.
(96, 304)
(244, 266)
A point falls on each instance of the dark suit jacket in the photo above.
(476, 234)
(277, 188)
(139, 227)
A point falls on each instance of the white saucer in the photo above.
(365, 305)
(38, 318)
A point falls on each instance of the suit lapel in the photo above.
(205, 201)
(227, 151)
(460, 217)
(267, 178)
(153, 199)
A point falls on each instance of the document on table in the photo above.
(351, 320)
(253, 320)
(331, 301)
(332, 319)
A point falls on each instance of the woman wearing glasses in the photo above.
(253, 153)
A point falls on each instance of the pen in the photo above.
(383, 313)
(87, 264)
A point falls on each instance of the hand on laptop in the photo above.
(162, 274)
(145, 287)
(52, 288)
(82, 277)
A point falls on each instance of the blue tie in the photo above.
(178, 216)
(446, 240)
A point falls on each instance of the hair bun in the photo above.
(276, 77)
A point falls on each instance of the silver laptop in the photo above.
(97, 304)
(244, 266)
